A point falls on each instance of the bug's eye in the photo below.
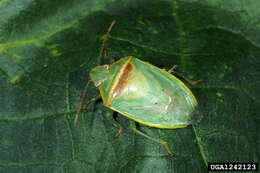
(155, 103)
(106, 66)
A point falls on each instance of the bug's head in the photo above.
(99, 74)
(102, 76)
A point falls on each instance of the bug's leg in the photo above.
(195, 82)
(171, 70)
(192, 82)
(160, 141)
(120, 129)
(111, 116)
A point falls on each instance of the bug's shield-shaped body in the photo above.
(145, 93)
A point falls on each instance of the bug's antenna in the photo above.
(105, 38)
(102, 52)
(82, 96)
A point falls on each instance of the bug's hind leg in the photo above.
(160, 141)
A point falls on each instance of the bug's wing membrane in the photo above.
(155, 97)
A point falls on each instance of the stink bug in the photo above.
(145, 93)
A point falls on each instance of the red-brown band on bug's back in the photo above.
(121, 80)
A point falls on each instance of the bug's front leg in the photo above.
(160, 141)
(110, 116)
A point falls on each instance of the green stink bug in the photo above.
(145, 93)
(142, 92)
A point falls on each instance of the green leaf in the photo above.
(47, 48)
